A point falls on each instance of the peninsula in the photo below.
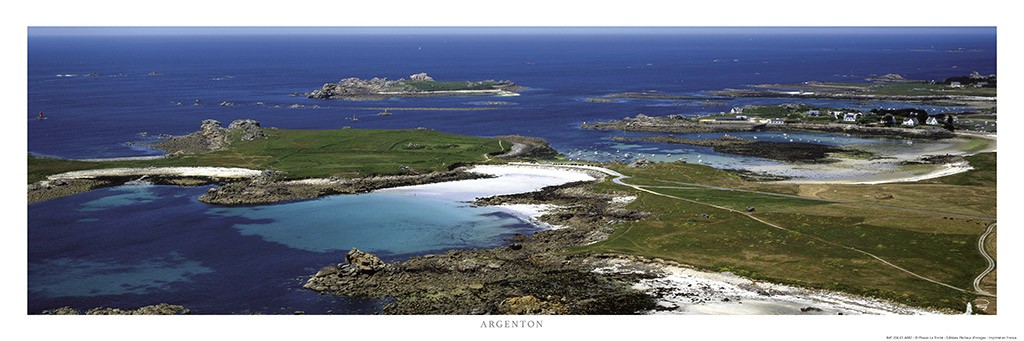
(256, 165)
(418, 85)
(975, 90)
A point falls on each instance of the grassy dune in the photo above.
(316, 153)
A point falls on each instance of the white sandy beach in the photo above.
(881, 171)
(686, 291)
(509, 179)
(214, 172)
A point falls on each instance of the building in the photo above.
(851, 116)
(776, 121)
(911, 122)
(955, 85)
(814, 112)
(932, 121)
(736, 111)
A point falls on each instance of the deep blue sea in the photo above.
(136, 245)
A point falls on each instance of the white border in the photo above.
(17, 17)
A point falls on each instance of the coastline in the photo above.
(675, 288)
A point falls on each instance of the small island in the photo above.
(418, 85)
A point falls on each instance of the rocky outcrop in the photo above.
(158, 309)
(527, 147)
(248, 130)
(421, 77)
(363, 262)
(639, 163)
(212, 136)
(530, 305)
(50, 189)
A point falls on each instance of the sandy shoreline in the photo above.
(685, 291)
(212, 172)
(883, 171)
(509, 179)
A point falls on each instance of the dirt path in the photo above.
(817, 199)
(991, 262)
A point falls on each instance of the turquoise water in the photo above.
(376, 222)
(137, 245)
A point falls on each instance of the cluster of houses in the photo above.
(849, 117)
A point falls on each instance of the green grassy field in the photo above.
(911, 89)
(815, 251)
(317, 153)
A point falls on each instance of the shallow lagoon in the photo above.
(137, 245)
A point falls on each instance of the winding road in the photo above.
(991, 262)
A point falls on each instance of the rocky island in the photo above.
(417, 85)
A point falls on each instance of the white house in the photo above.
(851, 116)
(736, 111)
(911, 122)
(813, 112)
(955, 85)
(776, 121)
(932, 121)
